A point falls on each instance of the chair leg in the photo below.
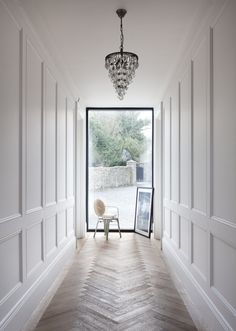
(118, 223)
(96, 229)
(107, 229)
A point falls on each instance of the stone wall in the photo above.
(107, 177)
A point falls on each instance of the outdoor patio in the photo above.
(122, 197)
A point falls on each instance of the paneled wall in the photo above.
(199, 124)
(36, 172)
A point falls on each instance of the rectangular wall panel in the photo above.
(224, 116)
(200, 252)
(224, 270)
(10, 112)
(184, 237)
(11, 266)
(167, 118)
(175, 228)
(200, 80)
(61, 226)
(70, 221)
(34, 244)
(184, 138)
(175, 144)
(50, 138)
(50, 234)
(167, 222)
(70, 149)
(33, 128)
(61, 145)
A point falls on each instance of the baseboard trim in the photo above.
(44, 303)
(203, 311)
(22, 311)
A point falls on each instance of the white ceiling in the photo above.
(80, 33)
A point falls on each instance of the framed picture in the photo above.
(143, 211)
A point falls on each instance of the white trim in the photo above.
(23, 309)
(157, 174)
(205, 314)
(80, 178)
(20, 17)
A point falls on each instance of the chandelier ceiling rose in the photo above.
(121, 65)
(121, 12)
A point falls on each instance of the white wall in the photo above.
(157, 174)
(200, 172)
(36, 170)
(81, 173)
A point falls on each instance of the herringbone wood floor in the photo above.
(122, 284)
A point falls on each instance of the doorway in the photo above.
(119, 158)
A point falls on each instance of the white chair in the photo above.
(106, 214)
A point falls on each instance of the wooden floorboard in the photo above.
(120, 284)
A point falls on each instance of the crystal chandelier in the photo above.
(121, 65)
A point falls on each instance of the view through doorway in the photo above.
(119, 159)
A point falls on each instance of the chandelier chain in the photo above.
(121, 36)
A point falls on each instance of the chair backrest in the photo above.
(99, 207)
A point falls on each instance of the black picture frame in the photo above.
(143, 211)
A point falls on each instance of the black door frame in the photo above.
(87, 154)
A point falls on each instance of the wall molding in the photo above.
(37, 267)
(209, 256)
(32, 296)
(206, 316)
(10, 218)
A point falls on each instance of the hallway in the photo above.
(53, 69)
(122, 284)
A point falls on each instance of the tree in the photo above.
(116, 138)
